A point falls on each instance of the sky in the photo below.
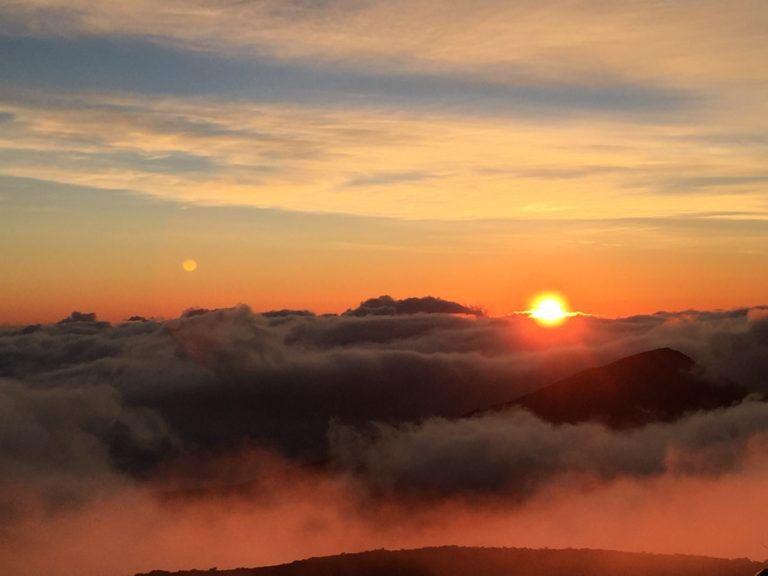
(310, 154)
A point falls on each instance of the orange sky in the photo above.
(313, 156)
(118, 278)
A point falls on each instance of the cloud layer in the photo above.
(283, 410)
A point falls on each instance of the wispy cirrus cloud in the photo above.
(364, 159)
(141, 66)
(553, 40)
(299, 98)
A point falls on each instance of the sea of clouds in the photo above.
(230, 437)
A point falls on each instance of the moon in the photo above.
(189, 265)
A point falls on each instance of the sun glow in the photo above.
(549, 310)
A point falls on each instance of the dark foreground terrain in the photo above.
(457, 561)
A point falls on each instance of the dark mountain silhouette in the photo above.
(457, 561)
(653, 386)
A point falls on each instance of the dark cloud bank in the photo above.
(354, 420)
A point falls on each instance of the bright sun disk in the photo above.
(549, 310)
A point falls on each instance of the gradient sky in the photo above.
(313, 153)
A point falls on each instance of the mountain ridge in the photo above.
(492, 561)
(658, 385)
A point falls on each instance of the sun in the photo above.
(189, 265)
(549, 310)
